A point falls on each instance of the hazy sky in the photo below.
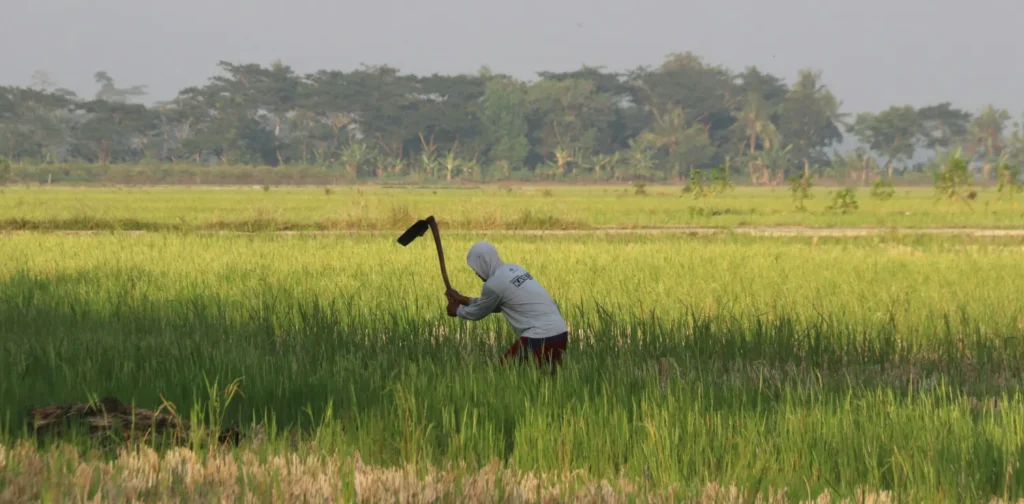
(873, 53)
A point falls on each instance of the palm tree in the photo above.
(810, 116)
(677, 135)
(867, 163)
(986, 136)
(754, 121)
(667, 129)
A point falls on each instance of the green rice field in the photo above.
(701, 367)
(483, 208)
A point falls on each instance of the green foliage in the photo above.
(883, 190)
(942, 125)
(891, 133)
(504, 121)
(5, 170)
(808, 116)
(1009, 180)
(953, 180)
(640, 188)
(800, 188)
(696, 186)
(843, 201)
(640, 160)
(357, 158)
(986, 132)
(375, 122)
(722, 181)
(700, 188)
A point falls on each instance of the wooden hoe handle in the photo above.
(440, 251)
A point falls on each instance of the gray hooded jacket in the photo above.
(510, 288)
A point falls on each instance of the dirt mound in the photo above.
(110, 416)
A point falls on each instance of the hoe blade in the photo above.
(415, 231)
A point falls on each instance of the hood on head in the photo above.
(483, 259)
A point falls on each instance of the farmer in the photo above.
(510, 289)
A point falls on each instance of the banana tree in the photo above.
(451, 163)
(356, 156)
(470, 168)
(428, 156)
(564, 158)
(398, 166)
(602, 164)
(774, 160)
(640, 161)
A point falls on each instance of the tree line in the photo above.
(652, 123)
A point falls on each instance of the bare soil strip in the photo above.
(785, 231)
(773, 231)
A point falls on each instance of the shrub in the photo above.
(800, 186)
(843, 201)
(883, 190)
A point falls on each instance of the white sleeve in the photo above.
(482, 306)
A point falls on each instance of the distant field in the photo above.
(485, 208)
(831, 365)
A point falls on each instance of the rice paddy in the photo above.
(701, 368)
(486, 208)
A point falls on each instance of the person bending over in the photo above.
(529, 309)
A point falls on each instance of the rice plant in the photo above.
(705, 368)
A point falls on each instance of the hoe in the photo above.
(417, 230)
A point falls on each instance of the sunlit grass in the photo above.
(480, 208)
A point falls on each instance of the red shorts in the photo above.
(543, 349)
